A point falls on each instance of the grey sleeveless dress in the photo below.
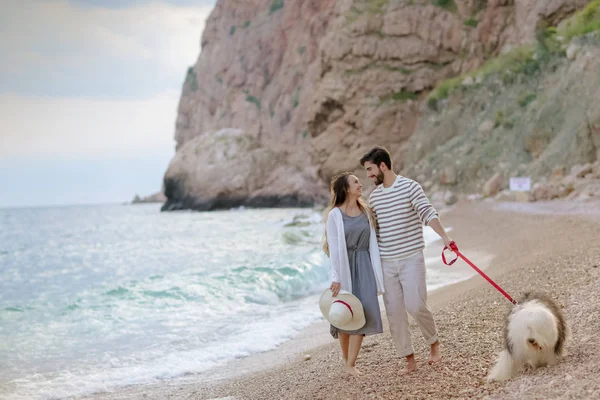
(364, 286)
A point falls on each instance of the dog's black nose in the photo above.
(532, 341)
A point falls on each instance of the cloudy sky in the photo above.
(88, 96)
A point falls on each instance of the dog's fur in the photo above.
(535, 334)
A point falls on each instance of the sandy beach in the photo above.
(551, 247)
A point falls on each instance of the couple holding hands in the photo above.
(378, 249)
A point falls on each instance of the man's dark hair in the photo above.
(377, 155)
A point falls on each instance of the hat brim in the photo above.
(358, 318)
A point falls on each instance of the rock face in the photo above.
(229, 168)
(158, 197)
(259, 61)
(544, 125)
(310, 85)
(493, 185)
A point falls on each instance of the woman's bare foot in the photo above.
(352, 371)
(436, 353)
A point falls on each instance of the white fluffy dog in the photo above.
(535, 334)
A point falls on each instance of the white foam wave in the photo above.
(250, 338)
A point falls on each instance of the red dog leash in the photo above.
(454, 248)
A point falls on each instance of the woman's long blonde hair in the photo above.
(339, 191)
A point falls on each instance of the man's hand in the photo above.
(335, 288)
(437, 226)
(447, 241)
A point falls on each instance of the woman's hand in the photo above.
(335, 288)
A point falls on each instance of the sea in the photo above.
(93, 298)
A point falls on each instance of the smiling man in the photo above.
(402, 209)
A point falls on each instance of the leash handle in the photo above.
(452, 246)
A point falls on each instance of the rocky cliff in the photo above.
(287, 93)
(537, 116)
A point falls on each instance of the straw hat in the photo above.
(344, 311)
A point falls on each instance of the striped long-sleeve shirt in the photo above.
(401, 211)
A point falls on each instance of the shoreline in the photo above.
(530, 253)
(307, 342)
(316, 335)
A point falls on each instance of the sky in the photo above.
(88, 96)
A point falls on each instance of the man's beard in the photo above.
(379, 178)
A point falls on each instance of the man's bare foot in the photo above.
(436, 353)
(352, 371)
(411, 365)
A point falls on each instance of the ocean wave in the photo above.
(163, 298)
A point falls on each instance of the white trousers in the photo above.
(406, 291)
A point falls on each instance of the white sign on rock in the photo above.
(520, 184)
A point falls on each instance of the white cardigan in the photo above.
(338, 252)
